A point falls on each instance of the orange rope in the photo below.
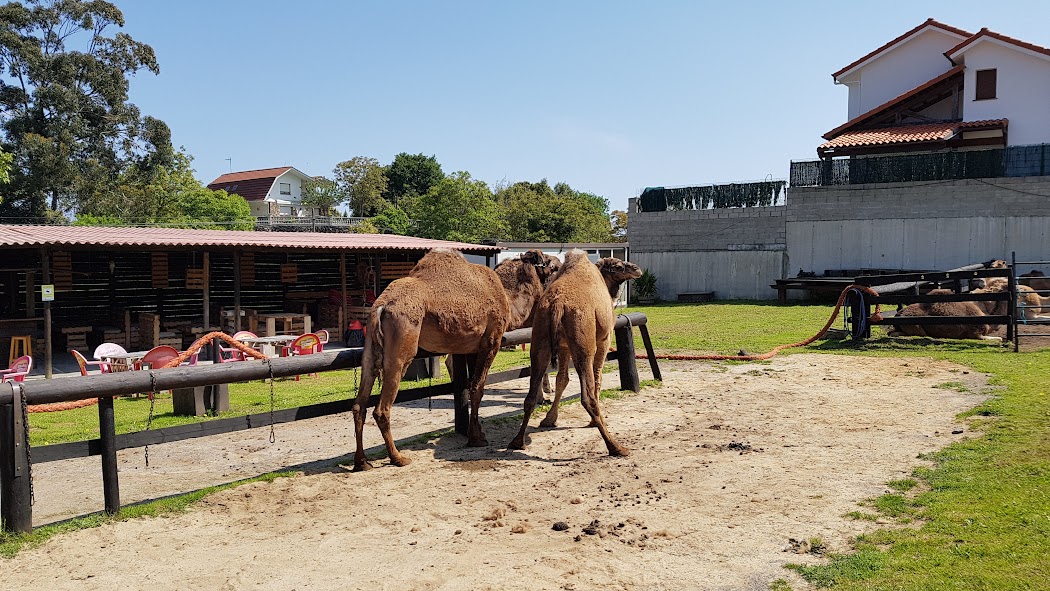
(185, 355)
(838, 306)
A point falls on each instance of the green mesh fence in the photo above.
(756, 194)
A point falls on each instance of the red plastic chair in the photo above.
(157, 357)
(322, 336)
(229, 354)
(103, 366)
(306, 344)
(18, 370)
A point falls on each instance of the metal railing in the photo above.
(1022, 307)
(309, 221)
(1013, 161)
(16, 491)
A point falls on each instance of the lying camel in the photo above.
(1037, 280)
(445, 305)
(575, 316)
(1029, 303)
(943, 331)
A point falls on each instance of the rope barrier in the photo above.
(838, 306)
(182, 358)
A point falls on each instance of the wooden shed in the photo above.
(145, 286)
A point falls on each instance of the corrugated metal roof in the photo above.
(36, 236)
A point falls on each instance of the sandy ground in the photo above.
(728, 463)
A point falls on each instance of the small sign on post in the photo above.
(47, 293)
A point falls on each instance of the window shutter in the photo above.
(985, 85)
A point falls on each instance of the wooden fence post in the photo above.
(16, 502)
(625, 358)
(108, 435)
(460, 396)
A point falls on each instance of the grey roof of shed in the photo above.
(178, 238)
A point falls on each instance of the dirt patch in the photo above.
(730, 470)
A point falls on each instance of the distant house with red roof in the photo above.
(937, 87)
(269, 191)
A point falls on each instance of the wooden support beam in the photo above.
(45, 264)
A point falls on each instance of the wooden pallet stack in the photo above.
(76, 337)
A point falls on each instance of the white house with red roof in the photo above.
(269, 191)
(938, 87)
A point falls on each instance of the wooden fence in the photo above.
(16, 457)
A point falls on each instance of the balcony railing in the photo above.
(316, 222)
(1013, 161)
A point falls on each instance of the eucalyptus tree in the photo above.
(64, 112)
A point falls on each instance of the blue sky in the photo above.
(609, 96)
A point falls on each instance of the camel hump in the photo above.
(438, 260)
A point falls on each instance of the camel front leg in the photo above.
(482, 363)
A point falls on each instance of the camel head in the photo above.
(615, 272)
(545, 264)
(996, 264)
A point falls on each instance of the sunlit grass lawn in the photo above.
(132, 414)
(979, 519)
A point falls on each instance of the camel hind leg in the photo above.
(561, 382)
(589, 396)
(539, 357)
(369, 370)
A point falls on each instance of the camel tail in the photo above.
(375, 335)
(554, 331)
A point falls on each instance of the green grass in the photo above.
(980, 516)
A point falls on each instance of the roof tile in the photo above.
(906, 134)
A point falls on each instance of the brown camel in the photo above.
(524, 278)
(575, 317)
(1037, 280)
(1029, 303)
(944, 331)
(445, 305)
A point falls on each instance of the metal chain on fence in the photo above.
(152, 398)
(29, 451)
(273, 437)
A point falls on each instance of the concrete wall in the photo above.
(929, 225)
(737, 253)
(733, 252)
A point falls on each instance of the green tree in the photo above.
(363, 181)
(394, 219)
(165, 197)
(535, 212)
(458, 208)
(411, 175)
(324, 194)
(65, 113)
(618, 218)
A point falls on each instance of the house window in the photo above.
(286, 188)
(985, 85)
